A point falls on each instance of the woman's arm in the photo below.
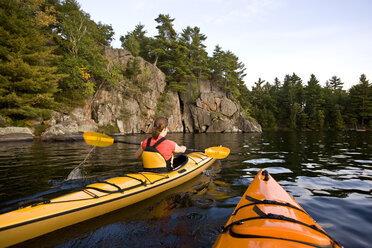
(180, 149)
(138, 153)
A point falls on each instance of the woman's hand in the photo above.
(180, 149)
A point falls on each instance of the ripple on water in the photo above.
(208, 234)
(353, 153)
(246, 181)
(204, 202)
(278, 170)
(341, 156)
(264, 161)
(311, 165)
(192, 216)
(363, 161)
(271, 170)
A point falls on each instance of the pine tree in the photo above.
(361, 100)
(164, 43)
(291, 98)
(335, 100)
(263, 104)
(136, 42)
(80, 43)
(226, 70)
(197, 55)
(28, 78)
(313, 103)
(171, 55)
(334, 83)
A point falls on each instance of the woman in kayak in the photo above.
(156, 151)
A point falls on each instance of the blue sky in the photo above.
(271, 37)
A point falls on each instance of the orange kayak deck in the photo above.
(267, 216)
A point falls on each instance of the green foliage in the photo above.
(50, 57)
(80, 43)
(40, 129)
(177, 86)
(227, 71)
(194, 90)
(28, 76)
(164, 106)
(197, 57)
(334, 84)
(183, 57)
(311, 107)
(136, 42)
(361, 101)
(132, 69)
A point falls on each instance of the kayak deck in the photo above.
(267, 216)
(95, 200)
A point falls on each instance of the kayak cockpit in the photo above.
(179, 161)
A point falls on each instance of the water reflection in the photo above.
(329, 174)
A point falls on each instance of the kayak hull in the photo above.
(267, 216)
(95, 200)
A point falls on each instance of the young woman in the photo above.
(156, 151)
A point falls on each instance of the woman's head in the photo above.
(159, 124)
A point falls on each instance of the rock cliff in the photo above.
(140, 94)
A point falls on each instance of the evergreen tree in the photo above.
(104, 34)
(80, 40)
(197, 55)
(244, 98)
(291, 98)
(275, 94)
(164, 42)
(28, 78)
(335, 101)
(334, 83)
(314, 103)
(263, 104)
(136, 42)
(171, 55)
(226, 70)
(361, 101)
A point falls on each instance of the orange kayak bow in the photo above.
(267, 216)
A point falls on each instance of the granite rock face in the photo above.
(16, 134)
(132, 104)
(214, 111)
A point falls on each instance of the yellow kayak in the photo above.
(267, 216)
(96, 199)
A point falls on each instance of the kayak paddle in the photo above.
(100, 139)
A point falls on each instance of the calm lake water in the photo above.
(328, 173)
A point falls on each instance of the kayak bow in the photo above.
(267, 216)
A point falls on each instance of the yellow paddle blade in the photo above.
(98, 139)
(218, 152)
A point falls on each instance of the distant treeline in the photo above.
(295, 105)
(51, 58)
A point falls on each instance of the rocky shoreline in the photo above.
(16, 134)
(130, 105)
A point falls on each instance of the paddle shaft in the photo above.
(127, 142)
